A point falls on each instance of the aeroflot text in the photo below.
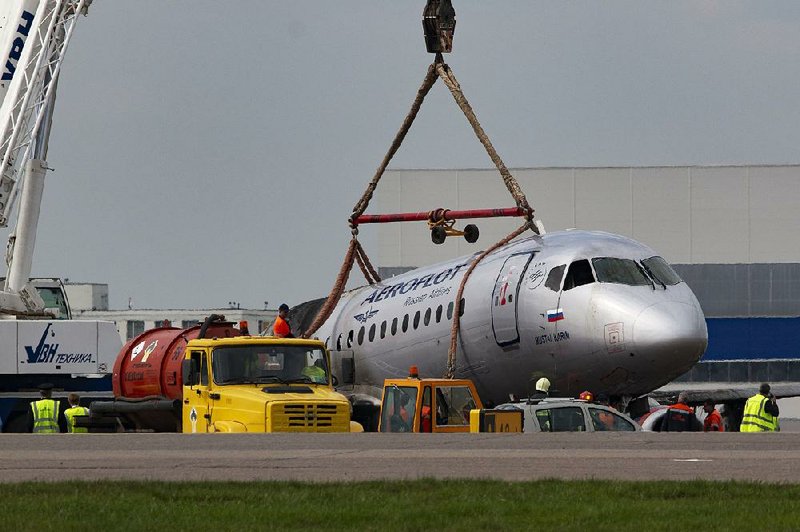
(409, 286)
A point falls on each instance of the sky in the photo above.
(208, 152)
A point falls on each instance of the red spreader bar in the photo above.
(447, 215)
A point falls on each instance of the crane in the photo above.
(73, 355)
(35, 38)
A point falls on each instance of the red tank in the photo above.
(150, 364)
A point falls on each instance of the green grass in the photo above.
(587, 506)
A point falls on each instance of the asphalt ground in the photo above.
(767, 457)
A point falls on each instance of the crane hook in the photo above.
(439, 23)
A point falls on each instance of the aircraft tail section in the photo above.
(302, 315)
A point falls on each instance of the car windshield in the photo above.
(619, 271)
(269, 364)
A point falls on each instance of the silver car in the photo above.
(571, 415)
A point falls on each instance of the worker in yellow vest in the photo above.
(75, 409)
(760, 412)
(45, 416)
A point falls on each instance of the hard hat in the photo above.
(586, 396)
(284, 306)
(543, 385)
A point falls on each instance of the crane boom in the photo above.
(37, 33)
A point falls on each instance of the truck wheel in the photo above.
(471, 233)
(438, 235)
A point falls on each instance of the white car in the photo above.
(571, 415)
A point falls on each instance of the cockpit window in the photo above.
(579, 274)
(620, 271)
(661, 270)
(553, 281)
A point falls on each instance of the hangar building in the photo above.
(730, 231)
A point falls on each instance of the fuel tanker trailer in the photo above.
(215, 377)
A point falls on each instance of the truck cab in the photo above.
(427, 405)
(260, 384)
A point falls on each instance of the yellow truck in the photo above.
(440, 405)
(214, 378)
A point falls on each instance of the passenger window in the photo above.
(564, 419)
(427, 319)
(405, 323)
(607, 420)
(394, 326)
(662, 271)
(619, 271)
(361, 335)
(372, 333)
(339, 342)
(463, 305)
(383, 329)
(350, 338)
(439, 313)
(450, 310)
(416, 320)
(553, 281)
(579, 274)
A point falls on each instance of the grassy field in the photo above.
(587, 506)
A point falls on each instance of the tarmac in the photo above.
(766, 457)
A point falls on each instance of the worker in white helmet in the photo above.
(542, 389)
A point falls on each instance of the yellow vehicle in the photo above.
(439, 405)
(218, 378)
(260, 384)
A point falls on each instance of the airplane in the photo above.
(589, 310)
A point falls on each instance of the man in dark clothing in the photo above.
(680, 417)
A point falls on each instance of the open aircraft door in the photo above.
(504, 299)
(343, 367)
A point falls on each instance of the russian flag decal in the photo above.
(555, 314)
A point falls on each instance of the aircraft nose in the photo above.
(671, 332)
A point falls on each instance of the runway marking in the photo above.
(691, 460)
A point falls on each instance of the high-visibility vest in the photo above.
(70, 414)
(281, 327)
(45, 416)
(755, 419)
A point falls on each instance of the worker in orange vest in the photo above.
(281, 327)
(713, 421)
(680, 417)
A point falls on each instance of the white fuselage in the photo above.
(523, 319)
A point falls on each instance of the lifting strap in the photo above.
(438, 69)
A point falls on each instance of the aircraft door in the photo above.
(504, 299)
(343, 367)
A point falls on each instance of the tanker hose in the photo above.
(209, 320)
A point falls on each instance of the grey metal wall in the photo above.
(745, 290)
(689, 214)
